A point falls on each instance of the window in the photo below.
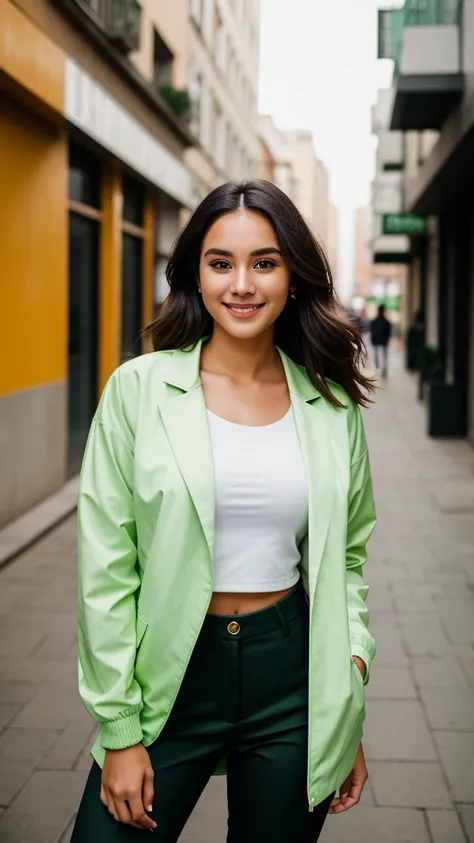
(162, 62)
(132, 260)
(220, 42)
(84, 176)
(132, 266)
(195, 93)
(133, 201)
(83, 302)
(83, 333)
(216, 131)
(196, 9)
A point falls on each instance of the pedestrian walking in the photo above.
(380, 333)
(225, 505)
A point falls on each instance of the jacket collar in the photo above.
(182, 372)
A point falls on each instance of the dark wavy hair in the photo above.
(313, 329)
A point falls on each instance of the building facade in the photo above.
(432, 106)
(289, 160)
(97, 131)
(311, 183)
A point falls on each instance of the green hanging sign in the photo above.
(403, 224)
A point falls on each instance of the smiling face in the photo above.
(243, 277)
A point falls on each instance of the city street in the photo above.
(419, 737)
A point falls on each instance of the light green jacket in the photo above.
(146, 530)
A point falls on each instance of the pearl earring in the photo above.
(293, 296)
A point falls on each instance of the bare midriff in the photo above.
(241, 604)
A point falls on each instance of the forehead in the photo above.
(240, 230)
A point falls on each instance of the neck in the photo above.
(239, 359)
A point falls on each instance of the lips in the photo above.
(243, 311)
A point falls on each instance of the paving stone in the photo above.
(446, 710)
(456, 750)
(17, 692)
(374, 825)
(415, 603)
(7, 713)
(445, 827)
(413, 785)
(31, 670)
(459, 622)
(397, 731)
(44, 808)
(20, 751)
(465, 657)
(467, 819)
(438, 673)
(69, 744)
(52, 707)
(391, 683)
(390, 649)
(424, 636)
(66, 837)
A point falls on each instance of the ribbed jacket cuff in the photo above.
(121, 733)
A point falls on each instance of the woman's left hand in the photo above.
(351, 791)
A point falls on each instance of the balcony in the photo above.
(387, 193)
(424, 40)
(119, 19)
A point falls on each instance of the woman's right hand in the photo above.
(127, 786)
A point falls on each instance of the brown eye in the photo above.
(220, 265)
(265, 263)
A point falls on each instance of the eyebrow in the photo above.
(257, 253)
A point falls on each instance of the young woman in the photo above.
(224, 510)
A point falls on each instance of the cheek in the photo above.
(277, 287)
(211, 284)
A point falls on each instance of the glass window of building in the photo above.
(83, 303)
(132, 266)
(195, 93)
(196, 9)
(162, 62)
(84, 176)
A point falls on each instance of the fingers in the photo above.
(350, 795)
(148, 791)
(123, 811)
(129, 810)
(139, 815)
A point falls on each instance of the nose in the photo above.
(242, 283)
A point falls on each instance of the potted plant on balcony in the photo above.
(178, 100)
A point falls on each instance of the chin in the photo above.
(247, 332)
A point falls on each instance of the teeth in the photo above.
(242, 309)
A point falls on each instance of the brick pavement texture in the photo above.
(419, 735)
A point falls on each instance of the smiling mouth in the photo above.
(241, 310)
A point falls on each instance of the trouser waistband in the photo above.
(277, 616)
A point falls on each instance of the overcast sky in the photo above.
(319, 71)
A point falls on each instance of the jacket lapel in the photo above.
(185, 421)
(312, 423)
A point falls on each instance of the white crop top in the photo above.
(261, 505)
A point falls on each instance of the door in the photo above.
(83, 334)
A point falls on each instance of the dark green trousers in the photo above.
(244, 695)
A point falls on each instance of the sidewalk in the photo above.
(419, 737)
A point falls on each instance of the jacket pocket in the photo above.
(141, 628)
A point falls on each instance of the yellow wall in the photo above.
(33, 250)
(31, 66)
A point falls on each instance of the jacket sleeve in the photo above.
(108, 577)
(361, 523)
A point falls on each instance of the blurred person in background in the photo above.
(225, 506)
(380, 333)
